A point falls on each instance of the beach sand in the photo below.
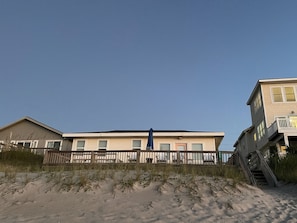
(123, 197)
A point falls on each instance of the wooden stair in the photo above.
(259, 178)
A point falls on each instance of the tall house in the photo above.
(273, 106)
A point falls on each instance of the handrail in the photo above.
(269, 175)
(247, 172)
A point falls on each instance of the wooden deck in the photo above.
(54, 157)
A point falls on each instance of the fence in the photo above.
(53, 157)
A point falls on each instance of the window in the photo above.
(261, 130)
(293, 121)
(281, 94)
(23, 144)
(1, 145)
(102, 144)
(255, 136)
(54, 144)
(80, 145)
(197, 147)
(290, 94)
(257, 102)
(136, 144)
(165, 147)
(277, 94)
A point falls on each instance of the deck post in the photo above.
(45, 158)
(138, 156)
(178, 158)
(92, 157)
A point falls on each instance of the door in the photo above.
(181, 148)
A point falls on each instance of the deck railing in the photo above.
(282, 124)
(53, 157)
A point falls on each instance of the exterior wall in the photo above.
(28, 131)
(245, 145)
(257, 117)
(273, 109)
(126, 143)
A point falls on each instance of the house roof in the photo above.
(143, 133)
(243, 133)
(26, 118)
(275, 80)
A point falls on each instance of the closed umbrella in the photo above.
(150, 140)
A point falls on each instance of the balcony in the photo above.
(283, 125)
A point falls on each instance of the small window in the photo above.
(257, 102)
(53, 144)
(165, 147)
(136, 144)
(80, 145)
(290, 94)
(1, 145)
(21, 144)
(102, 144)
(261, 130)
(277, 94)
(255, 136)
(197, 147)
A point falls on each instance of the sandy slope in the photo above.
(47, 198)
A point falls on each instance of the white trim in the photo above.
(99, 144)
(53, 140)
(32, 142)
(136, 148)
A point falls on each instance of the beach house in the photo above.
(169, 146)
(273, 106)
(29, 133)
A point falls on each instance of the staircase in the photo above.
(259, 178)
(257, 170)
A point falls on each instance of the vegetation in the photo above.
(285, 168)
(68, 177)
(20, 160)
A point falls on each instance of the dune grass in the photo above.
(81, 176)
(285, 168)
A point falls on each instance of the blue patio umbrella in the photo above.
(150, 140)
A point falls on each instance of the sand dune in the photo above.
(123, 198)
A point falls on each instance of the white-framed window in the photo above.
(261, 130)
(164, 146)
(290, 94)
(197, 147)
(136, 144)
(25, 143)
(102, 145)
(54, 144)
(283, 94)
(277, 94)
(80, 145)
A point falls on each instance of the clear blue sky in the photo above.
(136, 64)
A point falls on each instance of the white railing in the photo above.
(282, 125)
(139, 156)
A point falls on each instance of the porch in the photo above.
(283, 125)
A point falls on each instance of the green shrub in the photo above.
(20, 159)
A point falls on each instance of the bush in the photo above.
(21, 159)
(285, 168)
